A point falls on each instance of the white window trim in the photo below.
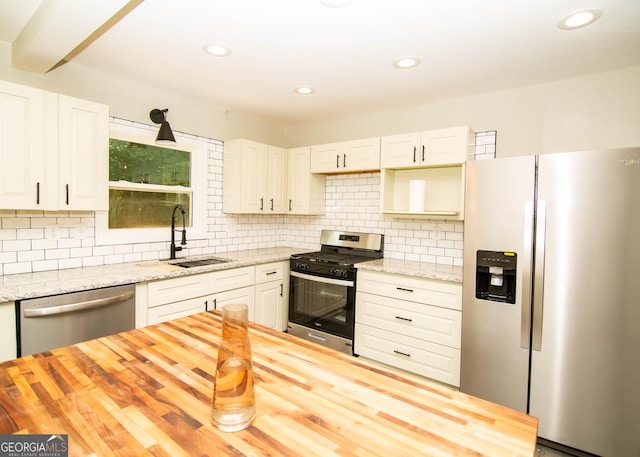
(199, 151)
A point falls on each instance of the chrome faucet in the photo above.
(175, 248)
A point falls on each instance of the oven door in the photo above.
(323, 304)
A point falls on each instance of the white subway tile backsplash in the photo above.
(38, 241)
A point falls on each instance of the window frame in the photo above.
(199, 151)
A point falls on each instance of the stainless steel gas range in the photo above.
(323, 287)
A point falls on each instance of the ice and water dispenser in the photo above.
(496, 276)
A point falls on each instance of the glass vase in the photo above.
(234, 406)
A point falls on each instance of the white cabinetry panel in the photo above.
(411, 323)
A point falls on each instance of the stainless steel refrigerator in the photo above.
(551, 302)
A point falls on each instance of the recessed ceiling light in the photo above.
(407, 62)
(304, 90)
(217, 49)
(580, 18)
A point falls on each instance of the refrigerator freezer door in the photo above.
(585, 380)
(495, 365)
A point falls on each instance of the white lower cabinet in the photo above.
(272, 292)
(178, 297)
(8, 341)
(264, 288)
(241, 295)
(410, 323)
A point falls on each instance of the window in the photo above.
(146, 182)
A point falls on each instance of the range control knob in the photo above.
(339, 273)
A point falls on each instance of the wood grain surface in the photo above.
(148, 392)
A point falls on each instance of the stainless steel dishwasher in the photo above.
(59, 320)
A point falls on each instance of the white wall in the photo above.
(131, 100)
(592, 112)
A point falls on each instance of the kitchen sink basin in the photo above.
(199, 263)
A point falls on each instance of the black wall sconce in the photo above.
(165, 135)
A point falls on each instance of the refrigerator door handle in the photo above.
(538, 275)
(525, 307)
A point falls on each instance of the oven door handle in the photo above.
(322, 279)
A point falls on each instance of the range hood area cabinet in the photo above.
(54, 151)
(346, 157)
(436, 157)
(264, 179)
(253, 178)
(306, 191)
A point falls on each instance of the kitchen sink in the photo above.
(200, 263)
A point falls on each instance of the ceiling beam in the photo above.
(60, 29)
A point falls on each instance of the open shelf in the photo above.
(444, 192)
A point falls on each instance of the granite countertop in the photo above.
(412, 268)
(42, 284)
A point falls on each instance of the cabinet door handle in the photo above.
(406, 354)
(272, 204)
(408, 319)
(423, 148)
(404, 290)
(37, 193)
(262, 204)
(66, 188)
(281, 289)
(337, 160)
(344, 161)
(290, 204)
(415, 149)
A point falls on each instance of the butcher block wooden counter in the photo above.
(148, 392)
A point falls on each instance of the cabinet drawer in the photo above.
(432, 360)
(419, 290)
(177, 289)
(233, 278)
(430, 323)
(175, 310)
(273, 271)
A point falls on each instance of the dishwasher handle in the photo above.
(89, 304)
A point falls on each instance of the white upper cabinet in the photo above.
(423, 173)
(254, 176)
(430, 148)
(276, 200)
(346, 157)
(54, 151)
(306, 191)
(21, 146)
(83, 155)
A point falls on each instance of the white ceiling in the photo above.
(346, 54)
